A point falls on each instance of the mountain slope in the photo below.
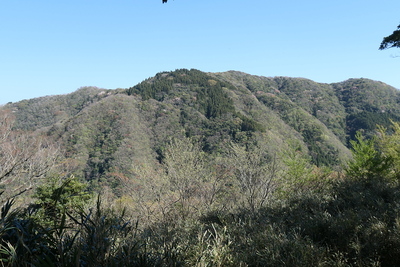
(106, 133)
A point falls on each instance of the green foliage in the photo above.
(209, 95)
(377, 157)
(212, 107)
(367, 163)
(368, 121)
(392, 40)
(46, 111)
(358, 95)
(388, 143)
(353, 222)
(300, 175)
(250, 125)
(322, 151)
(107, 238)
(99, 237)
(367, 104)
(57, 196)
(102, 142)
(7, 250)
(213, 248)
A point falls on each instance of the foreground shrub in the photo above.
(355, 223)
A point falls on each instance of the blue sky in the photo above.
(55, 47)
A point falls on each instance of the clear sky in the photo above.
(50, 47)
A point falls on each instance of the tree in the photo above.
(388, 142)
(368, 163)
(59, 195)
(24, 157)
(256, 173)
(392, 40)
(187, 172)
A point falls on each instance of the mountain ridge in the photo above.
(107, 131)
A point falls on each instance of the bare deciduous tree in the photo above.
(23, 157)
(256, 173)
(186, 170)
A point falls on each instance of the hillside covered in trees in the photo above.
(203, 169)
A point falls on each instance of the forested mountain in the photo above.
(102, 128)
(216, 169)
